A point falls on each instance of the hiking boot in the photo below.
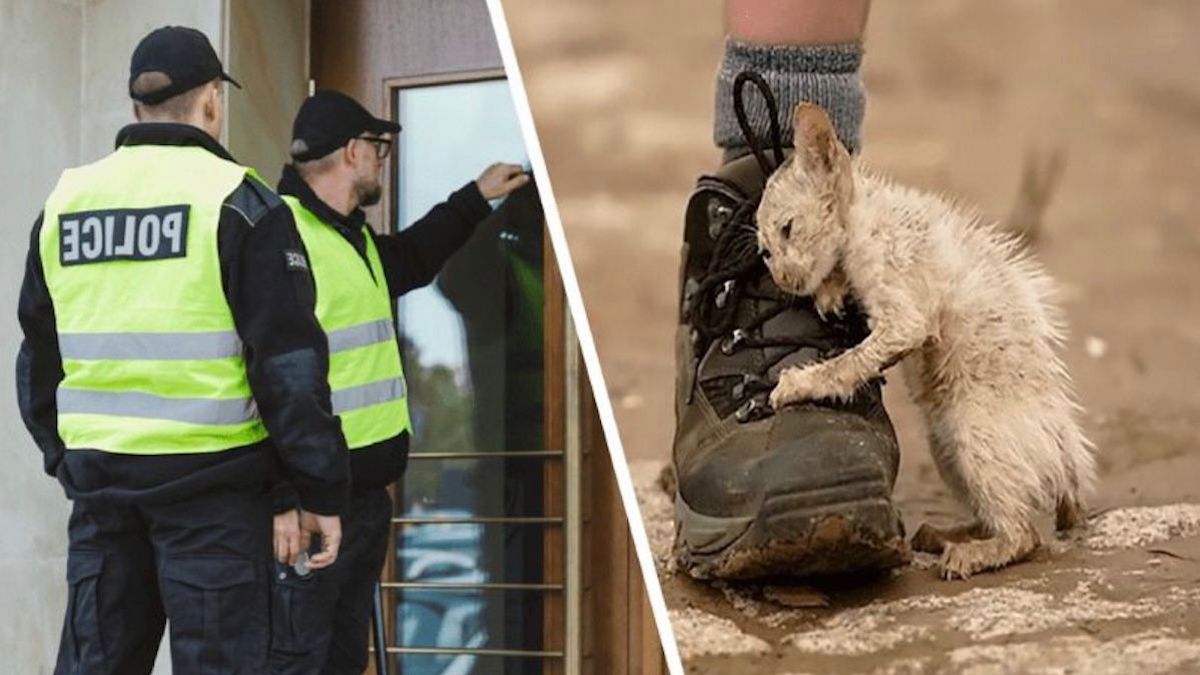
(759, 492)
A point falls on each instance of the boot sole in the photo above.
(790, 536)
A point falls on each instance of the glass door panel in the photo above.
(470, 578)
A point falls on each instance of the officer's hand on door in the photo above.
(500, 179)
(330, 529)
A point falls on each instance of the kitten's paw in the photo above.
(830, 301)
(795, 385)
(960, 561)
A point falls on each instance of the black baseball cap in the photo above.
(183, 54)
(328, 120)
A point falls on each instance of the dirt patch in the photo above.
(1133, 582)
(1139, 526)
(701, 633)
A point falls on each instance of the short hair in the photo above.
(315, 166)
(177, 108)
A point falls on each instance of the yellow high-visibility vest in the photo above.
(152, 361)
(354, 309)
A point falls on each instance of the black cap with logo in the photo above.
(328, 120)
(183, 54)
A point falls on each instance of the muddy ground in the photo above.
(959, 94)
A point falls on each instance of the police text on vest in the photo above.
(123, 234)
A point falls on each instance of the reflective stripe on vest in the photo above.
(148, 406)
(361, 335)
(159, 346)
(369, 394)
(152, 362)
(354, 309)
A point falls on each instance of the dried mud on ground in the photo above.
(1122, 598)
(959, 94)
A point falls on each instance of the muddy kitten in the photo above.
(968, 315)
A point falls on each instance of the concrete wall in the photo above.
(64, 66)
(40, 87)
(63, 72)
(111, 29)
(268, 54)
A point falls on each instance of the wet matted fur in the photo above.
(969, 315)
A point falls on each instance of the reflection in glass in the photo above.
(454, 485)
(461, 664)
(451, 618)
(427, 552)
(463, 330)
(473, 356)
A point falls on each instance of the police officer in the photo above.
(338, 150)
(169, 326)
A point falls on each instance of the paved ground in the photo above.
(959, 94)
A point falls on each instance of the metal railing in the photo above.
(570, 551)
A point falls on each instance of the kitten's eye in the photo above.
(786, 230)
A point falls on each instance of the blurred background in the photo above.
(962, 98)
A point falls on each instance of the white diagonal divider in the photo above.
(586, 342)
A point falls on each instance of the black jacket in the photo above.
(286, 354)
(411, 259)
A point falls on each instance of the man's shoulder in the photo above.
(253, 200)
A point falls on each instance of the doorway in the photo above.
(478, 576)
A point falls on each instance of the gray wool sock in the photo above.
(823, 74)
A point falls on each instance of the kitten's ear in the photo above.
(815, 140)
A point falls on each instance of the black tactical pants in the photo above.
(322, 620)
(203, 563)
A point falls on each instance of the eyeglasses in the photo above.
(383, 146)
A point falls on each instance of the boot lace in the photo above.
(728, 304)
